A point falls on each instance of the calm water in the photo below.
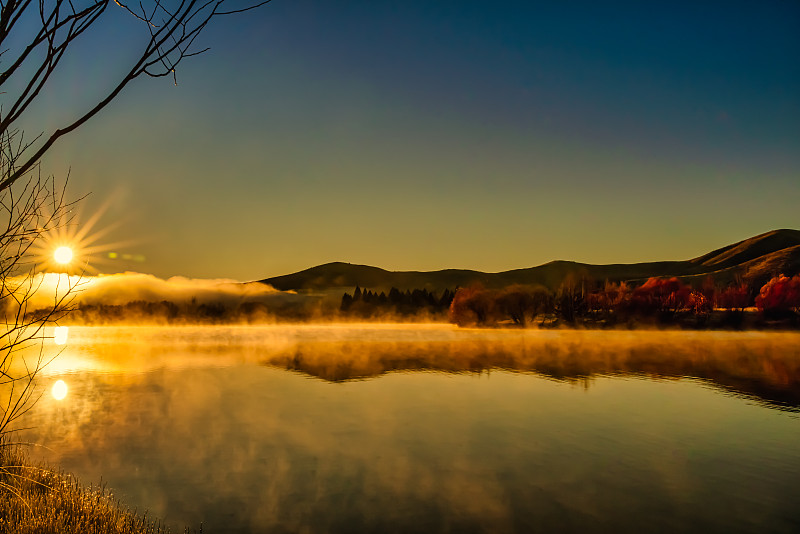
(431, 429)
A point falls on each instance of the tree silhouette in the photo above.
(347, 302)
(416, 302)
(570, 299)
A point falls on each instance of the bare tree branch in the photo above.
(172, 34)
(35, 38)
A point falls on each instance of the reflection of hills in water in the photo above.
(766, 368)
(759, 365)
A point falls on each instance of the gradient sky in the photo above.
(421, 135)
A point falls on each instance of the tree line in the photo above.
(365, 303)
(579, 300)
(166, 312)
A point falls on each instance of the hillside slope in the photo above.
(749, 249)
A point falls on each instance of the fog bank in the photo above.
(121, 288)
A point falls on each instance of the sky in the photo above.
(420, 135)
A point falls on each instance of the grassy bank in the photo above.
(39, 499)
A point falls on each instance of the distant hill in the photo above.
(756, 259)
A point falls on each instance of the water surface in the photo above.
(430, 428)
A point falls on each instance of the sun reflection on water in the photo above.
(60, 334)
(59, 390)
(766, 366)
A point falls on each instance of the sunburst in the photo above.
(77, 247)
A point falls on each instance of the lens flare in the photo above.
(59, 390)
(63, 255)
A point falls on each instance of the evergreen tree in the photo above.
(395, 297)
(446, 299)
(347, 301)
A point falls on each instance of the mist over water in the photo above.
(330, 428)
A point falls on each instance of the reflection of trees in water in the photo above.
(766, 368)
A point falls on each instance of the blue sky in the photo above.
(425, 135)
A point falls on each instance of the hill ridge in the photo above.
(756, 258)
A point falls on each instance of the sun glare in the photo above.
(63, 255)
(59, 390)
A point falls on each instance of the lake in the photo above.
(428, 428)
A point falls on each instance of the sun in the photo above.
(63, 255)
(75, 247)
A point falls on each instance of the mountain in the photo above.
(756, 259)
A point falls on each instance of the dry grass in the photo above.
(38, 499)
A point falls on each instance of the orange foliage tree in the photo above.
(472, 305)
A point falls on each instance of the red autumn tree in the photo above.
(734, 298)
(780, 294)
(662, 294)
